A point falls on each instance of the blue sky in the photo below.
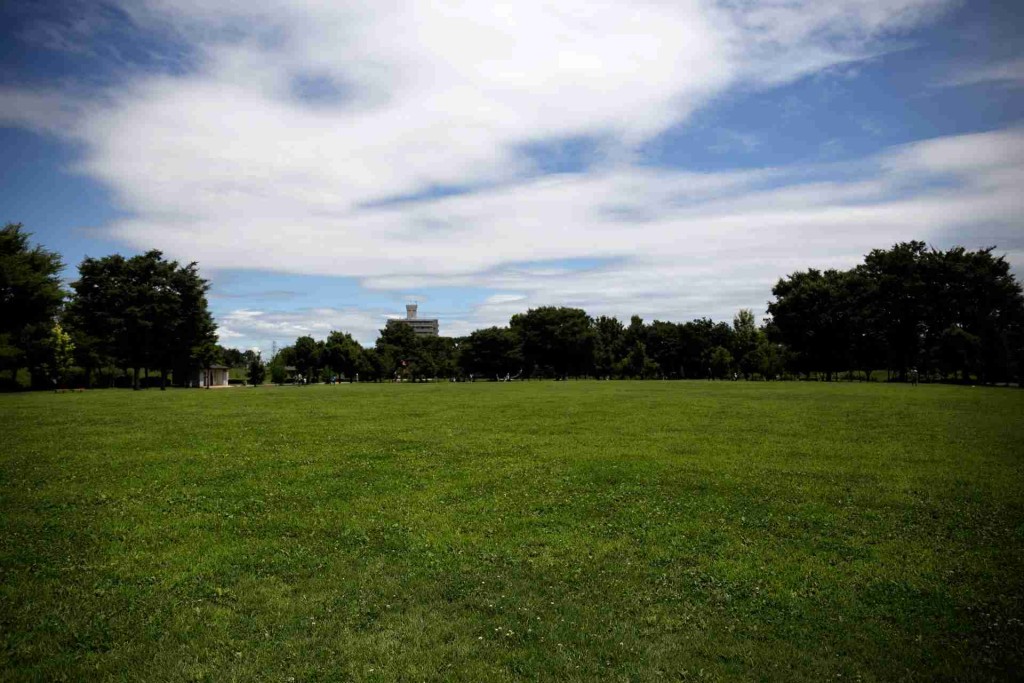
(327, 162)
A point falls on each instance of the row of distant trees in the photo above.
(909, 309)
(954, 314)
(547, 342)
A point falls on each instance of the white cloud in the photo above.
(430, 94)
(237, 165)
(720, 247)
(963, 155)
(1009, 72)
(42, 110)
(676, 245)
(259, 329)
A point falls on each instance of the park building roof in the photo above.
(423, 327)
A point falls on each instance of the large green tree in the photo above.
(974, 316)
(256, 370)
(746, 341)
(556, 340)
(696, 339)
(436, 357)
(609, 345)
(397, 351)
(813, 315)
(30, 299)
(900, 297)
(144, 312)
(957, 313)
(307, 358)
(342, 354)
(491, 352)
(665, 348)
(187, 333)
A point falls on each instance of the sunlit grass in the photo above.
(561, 531)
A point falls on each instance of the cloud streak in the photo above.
(1008, 73)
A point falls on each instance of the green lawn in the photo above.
(540, 530)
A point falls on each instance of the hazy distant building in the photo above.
(423, 327)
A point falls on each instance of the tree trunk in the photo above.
(163, 379)
(135, 379)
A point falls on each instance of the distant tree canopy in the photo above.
(491, 352)
(555, 341)
(256, 370)
(343, 355)
(955, 314)
(142, 312)
(30, 300)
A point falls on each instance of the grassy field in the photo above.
(481, 532)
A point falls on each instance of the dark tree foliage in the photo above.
(374, 367)
(814, 319)
(256, 370)
(186, 333)
(609, 346)
(697, 339)
(233, 358)
(556, 342)
(343, 354)
(30, 299)
(491, 353)
(142, 312)
(436, 357)
(955, 313)
(400, 354)
(974, 322)
(665, 348)
(278, 364)
(637, 364)
(899, 300)
(307, 357)
(746, 342)
(720, 362)
(397, 352)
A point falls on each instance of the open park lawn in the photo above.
(537, 530)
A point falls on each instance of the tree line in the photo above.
(908, 310)
(547, 342)
(905, 311)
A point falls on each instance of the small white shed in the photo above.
(212, 376)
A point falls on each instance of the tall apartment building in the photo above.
(423, 327)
